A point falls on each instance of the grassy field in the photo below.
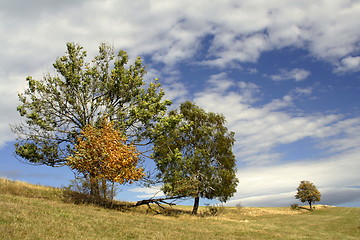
(36, 212)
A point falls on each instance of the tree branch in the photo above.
(158, 201)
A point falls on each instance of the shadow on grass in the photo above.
(82, 198)
(307, 208)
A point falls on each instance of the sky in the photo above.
(284, 73)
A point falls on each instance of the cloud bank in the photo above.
(217, 36)
(171, 32)
(265, 173)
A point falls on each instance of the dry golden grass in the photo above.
(19, 188)
(29, 212)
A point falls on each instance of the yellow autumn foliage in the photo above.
(103, 154)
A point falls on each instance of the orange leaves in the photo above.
(103, 153)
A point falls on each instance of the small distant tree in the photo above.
(101, 154)
(195, 158)
(307, 192)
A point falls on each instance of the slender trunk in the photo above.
(94, 187)
(310, 205)
(196, 205)
(104, 189)
(112, 191)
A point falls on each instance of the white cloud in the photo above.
(295, 74)
(329, 196)
(144, 192)
(274, 200)
(228, 49)
(253, 70)
(277, 104)
(341, 195)
(303, 91)
(276, 185)
(174, 89)
(349, 64)
(265, 177)
(220, 82)
(249, 91)
(346, 136)
(241, 31)
(36, 32)
(8, 104)
(260, 129)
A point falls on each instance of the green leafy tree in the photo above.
(56, 108)
(307, 192)
(195, 158)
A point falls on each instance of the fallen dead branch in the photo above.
(158, 202)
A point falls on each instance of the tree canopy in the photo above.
(57, 107)
(194, 158)
(102, 154)
(307, 192)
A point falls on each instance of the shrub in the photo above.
(213, 210)
(239, 206)
(294, 206)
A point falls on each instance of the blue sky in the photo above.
(285, 74)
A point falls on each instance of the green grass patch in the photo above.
(31, 212)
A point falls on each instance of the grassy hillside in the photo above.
(36, 212)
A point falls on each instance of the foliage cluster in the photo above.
(103, 155)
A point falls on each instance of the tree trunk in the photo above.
(94, 187)
(104, 189)
(196, 205)
(310, 205)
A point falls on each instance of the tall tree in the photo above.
(195, 158)
(103, 155)
(307, 192)
(58, 107)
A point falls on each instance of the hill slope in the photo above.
(35, 212)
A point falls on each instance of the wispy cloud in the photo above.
(303, 91)
(276, 185)
(265, 173)
(144, 192)
(329, 196)
(295, 74)
(139, 27)
(260, 129)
